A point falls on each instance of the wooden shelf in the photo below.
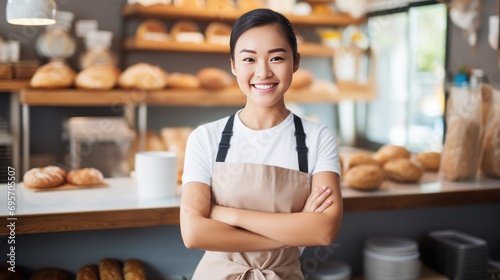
(132, 44)
(171, 97)
(13, 85)
(172, 12)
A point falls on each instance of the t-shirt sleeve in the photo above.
(197, 158)
(328, 156)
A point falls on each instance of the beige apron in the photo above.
(261, 188)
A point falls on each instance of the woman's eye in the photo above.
(276, 58)
(248, 59)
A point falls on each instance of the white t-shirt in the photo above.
(273, 146)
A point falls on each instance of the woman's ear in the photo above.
(296, 63)
(233, 69)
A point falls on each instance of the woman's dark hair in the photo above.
(261, 17)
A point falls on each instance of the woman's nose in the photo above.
(263, 71)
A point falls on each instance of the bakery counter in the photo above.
(118, 205)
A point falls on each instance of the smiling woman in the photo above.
(263, 182)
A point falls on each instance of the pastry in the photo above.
(187, 32)
(143, 76)
(100, 77)
(214, 78)
(360, 158)
(388, 152)
(459, 159)
(49, 273)
(218, 33)
(403, 170)
(365, 177)
(88, 272)
(152, 30)
(85, 177)
(302, 78)
(53, 75)
(429, 160)
(109, 269)
(490, 161)
(133, 270)
(183, 81)
(46, 177)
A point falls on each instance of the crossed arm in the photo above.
(217, 228)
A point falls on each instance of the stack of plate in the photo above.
(456, 255)
(391, 258)
(330, 270)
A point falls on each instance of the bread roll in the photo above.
(429, 160)
(490, 161)
(302, 78)
(365, 177)
(214, 78)
(220, 5)
(218, 33)
(187, 32)
(403, 170)
(133, 270)
(88, 272)
(389, 152)
(360, 158)
(109, 269)
(143, 76)
(53, 75)
(46, 177)
(183, 81)
(85, 177)
(49, 273)
(459, 159)
(99, 77)
(152, 30)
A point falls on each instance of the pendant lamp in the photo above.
(31, 12)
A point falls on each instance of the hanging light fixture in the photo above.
(31, 12)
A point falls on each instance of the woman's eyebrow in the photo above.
(269, 51)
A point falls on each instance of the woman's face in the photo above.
(263, 65)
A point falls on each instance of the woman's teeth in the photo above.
(266, 86)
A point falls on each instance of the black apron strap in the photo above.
(224, 141)
(302, 149)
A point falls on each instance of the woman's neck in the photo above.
(263, 118)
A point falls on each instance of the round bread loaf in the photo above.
(403, 170)
(220, 5)
(143, 76)
(133, 270)
(85, 177)
(218, 33)
(214, 78)
(360, 158)
(490, 161)
(187, 31)
(302, 78)
(88, 272)
(109, 269)
(183, 81)
(429, 160)
(45, 177)
(364, 177)
(53, 75)
(152, 30)
(389, 152)
(99, 77)
(47, 273)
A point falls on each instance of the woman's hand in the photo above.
(318, 200)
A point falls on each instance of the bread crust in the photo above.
(45, 177)
(403, 170)
(429, 160)
(390, 152)
(133, 270)
(365, 177)
(109, 269)
(53, 75)
(88, 272)
(85, 177)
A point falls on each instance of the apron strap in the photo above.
(224, 141)
(302, 149)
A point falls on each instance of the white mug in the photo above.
(156, 174)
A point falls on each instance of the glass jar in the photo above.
(98, 51)
(56, 42)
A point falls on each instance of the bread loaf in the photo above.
(220, 5)
(49, 273)
(429, 160)
(403, 170)
(109, 269)
(302, 78)
(218, 33)
(85, 177)
(99, 77)
(187, 32)
(183, 81)
(364, 177)
(460, 153)
(88, 272)
(248, 5)
(490, 160)
(45, 177)
(143, 76)
(152, 30)
(389, 152)
(133, 270)
(360, 158)
(53, 75)
(214, 78)
(191, 4)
